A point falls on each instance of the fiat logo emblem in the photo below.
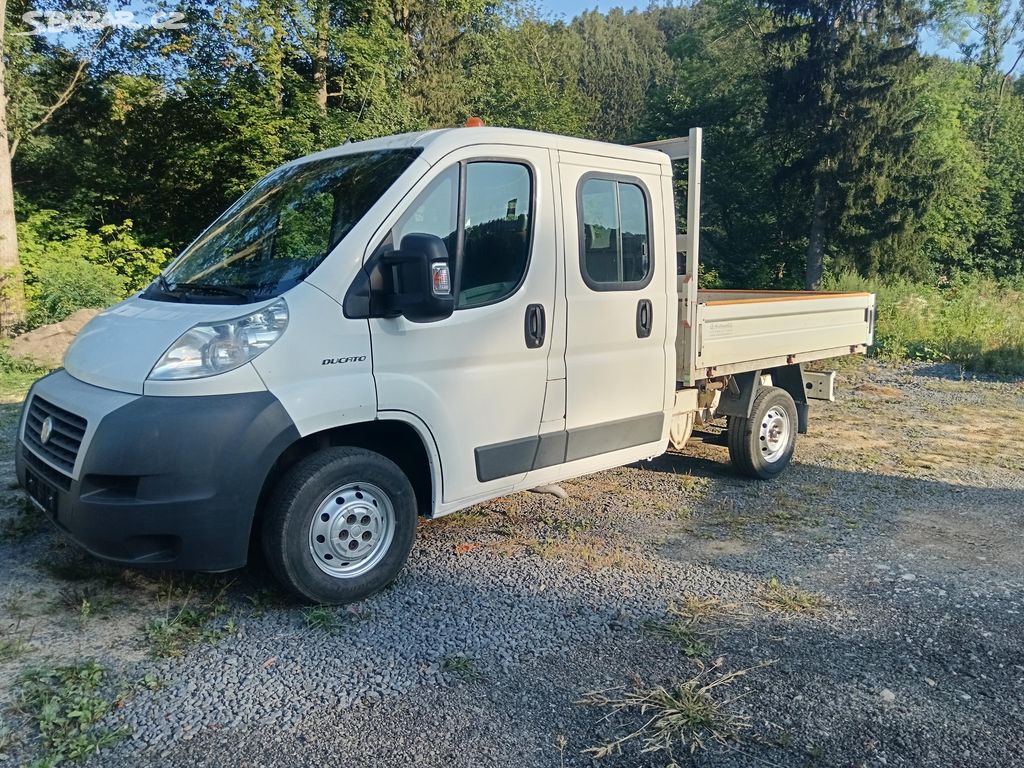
(46, 430)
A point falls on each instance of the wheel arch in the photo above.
(399, 436)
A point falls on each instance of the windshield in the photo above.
(280, 230)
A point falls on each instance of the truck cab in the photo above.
(394, 328)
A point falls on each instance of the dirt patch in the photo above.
(46, 346)
(867, 388)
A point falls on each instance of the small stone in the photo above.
(555, 490)
(908, 577)
(887, 696)
(930, 682)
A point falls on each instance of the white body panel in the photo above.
(304, 371)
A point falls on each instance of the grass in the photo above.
(685, 625)
(85, 602)
(188, 620)
(16, 376)
(972, 321)
(773, 595)
(12, 645)
(6, 738)
(320, 618)
(463, 666)
(683, 716)
(25, 521)
(65, 705)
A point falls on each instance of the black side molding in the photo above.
(515, 457)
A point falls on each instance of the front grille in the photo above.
(61, 449)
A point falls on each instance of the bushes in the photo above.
(971, 320)
(66, 267)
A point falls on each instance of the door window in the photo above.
(435, 212)
(496, 248)
(487, 230)
(614, 234)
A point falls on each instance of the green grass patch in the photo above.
(65, 705)
(320, 618)
(188, 620)
(12, 645)
(16, 376)
(23, 521)
(972, 321)
(686, 625)
(463, 666)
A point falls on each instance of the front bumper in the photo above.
(171, 482)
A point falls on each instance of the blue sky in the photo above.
(570, 8)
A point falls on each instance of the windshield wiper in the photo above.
(221, 290)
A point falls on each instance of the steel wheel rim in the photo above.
(351, 530)
(774, 434)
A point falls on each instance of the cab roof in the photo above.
(438, 143)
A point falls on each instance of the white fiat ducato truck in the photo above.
(409, 326)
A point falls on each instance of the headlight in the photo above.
(206, 350)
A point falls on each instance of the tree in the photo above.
(841, 78)
(25, 110)
(719, 83)
(622, 62)
(13, 292)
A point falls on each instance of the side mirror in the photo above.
(414, 281)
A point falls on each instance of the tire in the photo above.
(762, 446)
(339, 525)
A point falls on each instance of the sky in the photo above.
(570, 8)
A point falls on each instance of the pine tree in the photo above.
(840, 80)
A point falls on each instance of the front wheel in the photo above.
(762, 445)
(339, 526)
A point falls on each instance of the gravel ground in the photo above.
(904, 512)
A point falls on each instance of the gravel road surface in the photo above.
(872, 598)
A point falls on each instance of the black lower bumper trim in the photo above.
(167, 481)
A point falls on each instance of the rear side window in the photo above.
(483, 211)
(615, 250)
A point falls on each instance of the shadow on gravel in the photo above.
(946, 524)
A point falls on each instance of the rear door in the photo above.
(617, 306)
(477, 379)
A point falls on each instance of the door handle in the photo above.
(534, 326)
(644, 318)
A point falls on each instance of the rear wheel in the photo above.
(762, 445)
(340, 525)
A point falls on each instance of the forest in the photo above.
(839, 151)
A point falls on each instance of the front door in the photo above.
(477, 379)
(616, 301)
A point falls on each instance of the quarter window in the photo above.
(487, 229)
(615, 248)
